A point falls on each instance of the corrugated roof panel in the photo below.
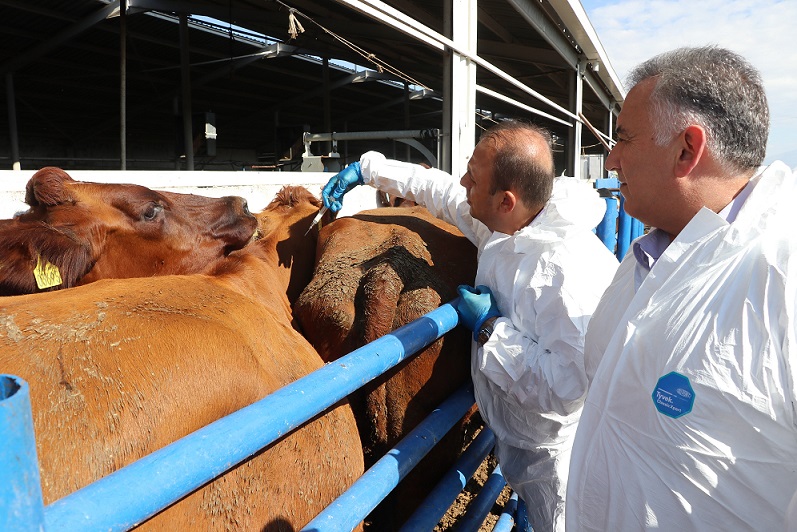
(66, 77)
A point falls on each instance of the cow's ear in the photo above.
(41, 259)
(46, 187)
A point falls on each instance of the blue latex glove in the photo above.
(342, 182)
(475, 306)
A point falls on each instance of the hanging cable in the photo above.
(380, 65)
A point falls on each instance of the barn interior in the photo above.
(236, 84)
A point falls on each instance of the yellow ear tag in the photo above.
(47, 274)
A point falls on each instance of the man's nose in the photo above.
(609, 165)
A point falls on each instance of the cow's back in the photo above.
(118, 369)
(375, 272)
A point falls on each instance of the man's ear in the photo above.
(508, 201)
(692, 144)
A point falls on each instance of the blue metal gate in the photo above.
(138, 491)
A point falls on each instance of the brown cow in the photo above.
(76, 233)
(377, 271)
(118, 369)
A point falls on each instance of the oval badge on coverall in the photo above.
(673, 395)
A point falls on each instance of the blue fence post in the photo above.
(607, 229)
(637, 229)
(21, 506)
(617, 229)
(522, 516)
(507, 519)
(623, 230)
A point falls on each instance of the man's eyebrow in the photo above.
(620, 131)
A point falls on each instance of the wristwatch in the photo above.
(485, 331)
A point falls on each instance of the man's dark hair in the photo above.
(523, 160)
(717, 89)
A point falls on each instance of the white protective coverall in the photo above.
(547, 278)
(689, 423)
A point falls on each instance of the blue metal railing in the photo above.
(453, 482)
(507, 519)
(131, 495)
(356, 503)
(480, 506)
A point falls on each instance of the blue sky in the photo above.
(760, 30)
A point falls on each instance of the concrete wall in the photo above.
(258, 188)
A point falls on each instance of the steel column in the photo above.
(13, 133)
(574, 134)
(185, 86)
(463, 85)
(123, 83)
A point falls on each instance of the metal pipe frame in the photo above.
(370, 489)
(138, 491)
(388, 15)
(480, 506)
(434, 507)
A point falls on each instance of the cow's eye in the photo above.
(152, 211)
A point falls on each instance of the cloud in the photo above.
(762, 31)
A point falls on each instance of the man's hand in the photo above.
(342, 182)
(476, 305)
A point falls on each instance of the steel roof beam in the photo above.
(595, 84)
(68, 34)
(551, 33)
(383, 12)
(520, 52)
(494, 26)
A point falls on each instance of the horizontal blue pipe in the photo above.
(356, 503)
(507, 519)
(21, 506)
(607, 182)
(136, 492)
(434, 507)
(480, 506)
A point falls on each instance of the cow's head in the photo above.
(76, 233)
(284, 225)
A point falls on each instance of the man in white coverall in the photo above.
(690, 420)
(547, 271)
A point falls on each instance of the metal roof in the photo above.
(61, 64)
